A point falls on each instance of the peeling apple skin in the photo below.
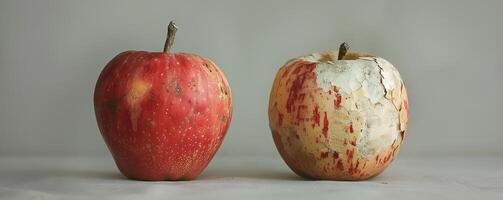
(338, 119)
(163, 116)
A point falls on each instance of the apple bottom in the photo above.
(144, 172)
(337, 168)
(159, 167)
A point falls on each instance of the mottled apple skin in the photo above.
(338, 119)
(163, 116)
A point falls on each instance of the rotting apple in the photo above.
(162, 115)
(338, 115)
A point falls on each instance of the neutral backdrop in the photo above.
(448, 53)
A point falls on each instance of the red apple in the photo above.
(162, 115)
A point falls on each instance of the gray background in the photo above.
(448, 53)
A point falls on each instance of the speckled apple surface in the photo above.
(338, 119)
(162, 115)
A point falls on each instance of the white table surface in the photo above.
(453, 177)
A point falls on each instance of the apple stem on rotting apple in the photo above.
(171, 36)
(343, 49)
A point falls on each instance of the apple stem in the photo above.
(343, 49)
(171, 36)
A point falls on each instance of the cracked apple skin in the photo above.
(338, 119)
(162, 115)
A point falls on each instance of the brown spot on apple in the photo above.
(207, 67)
(223, 118)
(112, 105)
(178, 89)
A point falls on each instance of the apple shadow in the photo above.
(66, 173)
(249, 174)
(207, 175)
(88, 174)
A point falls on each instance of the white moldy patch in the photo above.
(381, 126)
(351, 75)
(390, 77)
(372, 77)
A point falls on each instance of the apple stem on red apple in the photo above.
(171, 36)
(343, 49)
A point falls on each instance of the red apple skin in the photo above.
(163, 116)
